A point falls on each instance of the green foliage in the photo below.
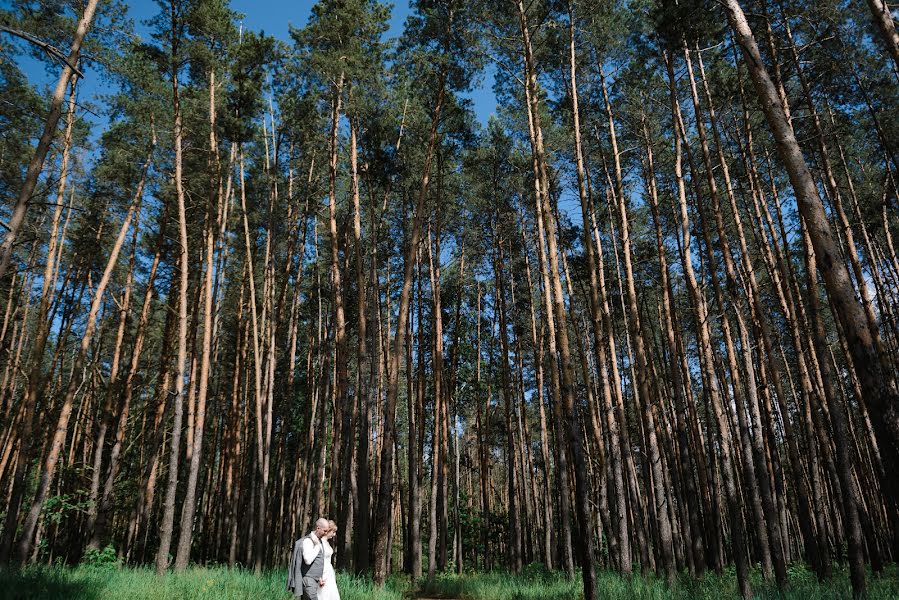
(53, 21)
(342, 37)
(536, 572)
(679, 22)
(243, 98)
(440, 43)
(57, 508)
(18, 123)
(104, 558)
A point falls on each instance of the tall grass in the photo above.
(537, 584)
(220, 583)
(197, 583)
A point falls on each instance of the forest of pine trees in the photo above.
(645, 319)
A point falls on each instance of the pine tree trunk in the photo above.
(841, 438)
(761, 465)
(168, 518)
(385, 489)
(573, 430)
(816, 558)
(415, 409)
(112, 386)
(549, 544)
(482, 430)
(514, 542)
(621, 543)
(185, 537)
(437, 455)
(360, 539)
(104, 511)
(883, 20)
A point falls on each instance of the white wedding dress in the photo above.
(329, 591)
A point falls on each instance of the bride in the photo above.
(329, 591)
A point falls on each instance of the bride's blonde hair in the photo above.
(332, 526)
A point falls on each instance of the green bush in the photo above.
(536, 571)
(101, 559)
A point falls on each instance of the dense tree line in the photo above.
(645, 318)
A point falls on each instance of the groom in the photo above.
(305, 576)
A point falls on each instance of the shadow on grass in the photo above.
(41, 583)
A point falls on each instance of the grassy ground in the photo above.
(553, 586)
(199, 583)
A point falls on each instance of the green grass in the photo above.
(220, 583)
(504, 586)
(197, 583)
(537, 584)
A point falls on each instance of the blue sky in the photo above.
(273, 17)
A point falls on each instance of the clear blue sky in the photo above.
(273, 17)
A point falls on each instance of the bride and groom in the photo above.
(311, 575)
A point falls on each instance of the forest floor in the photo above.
(220, 583)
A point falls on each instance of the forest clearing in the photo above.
(497, 299)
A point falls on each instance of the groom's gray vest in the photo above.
(317, 568)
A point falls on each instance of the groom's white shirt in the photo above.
(310, 548)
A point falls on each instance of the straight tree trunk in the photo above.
(107, 498)
(185, 537)
(343, 404)
(751, 480)
(573, 429)
(685, 457)
(482, 431)
(437, 456)
(385, 488)
(817, 558)
(168, 517)
(841, 440)
(413, 403)
(758, 450)
(261, 490)
(514, 542)
(360, 538)
(112, 386)
(561, 455)
(538, 346)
